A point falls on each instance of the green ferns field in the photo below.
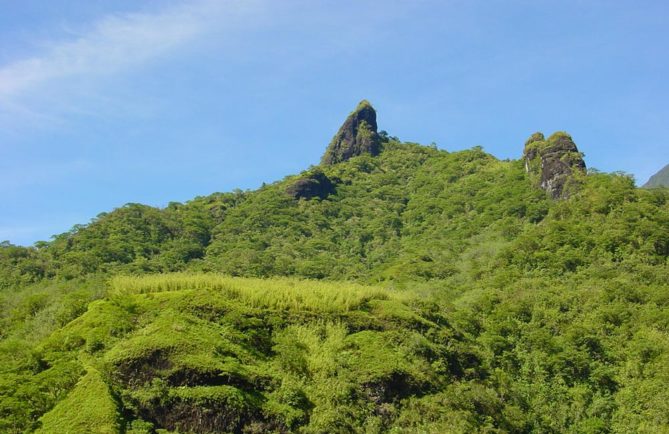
(432, 292)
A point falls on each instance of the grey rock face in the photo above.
(552, 163)
(313, 184)
(358, 135)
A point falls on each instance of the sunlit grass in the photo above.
(273, 293)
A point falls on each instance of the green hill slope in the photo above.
(415, 290)
(660, 179)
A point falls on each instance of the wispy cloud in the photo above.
(112, 45)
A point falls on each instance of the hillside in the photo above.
(393, 288)
(660, 179)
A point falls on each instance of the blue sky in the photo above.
(108, 102)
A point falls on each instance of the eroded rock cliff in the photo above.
(358, 135)
(553, 162)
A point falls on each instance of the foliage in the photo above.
(429, 292)
(659, 179)
(89, 408)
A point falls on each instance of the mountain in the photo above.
(357, 136)
(660, 179)
(393, 288)
(554, 162)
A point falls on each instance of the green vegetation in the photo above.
(660, 179)
(89, 408)
(262, 293)
(428, 292)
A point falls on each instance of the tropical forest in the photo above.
(394, 287)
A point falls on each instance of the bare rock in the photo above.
(553, 162)
(313, 184)
(358, 135)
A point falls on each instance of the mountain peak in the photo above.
(358, 135)
(364, 104)
(553, 161)
(660, 179)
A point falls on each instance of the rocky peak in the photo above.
(552, 162)
(358, 135)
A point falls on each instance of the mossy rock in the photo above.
(357, 136)
(553, 163)
(312, 184)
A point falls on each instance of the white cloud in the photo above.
(112, 45)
